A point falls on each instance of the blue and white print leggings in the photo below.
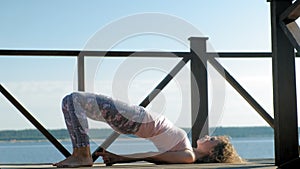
(77, 106)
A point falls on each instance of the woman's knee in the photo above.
(70, 97)
(68, 101)
(65, 100)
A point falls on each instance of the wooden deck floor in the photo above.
(255, 164)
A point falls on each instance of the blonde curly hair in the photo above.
(223, 152)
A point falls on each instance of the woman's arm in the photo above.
(184, 156)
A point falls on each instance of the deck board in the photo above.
(257, 164)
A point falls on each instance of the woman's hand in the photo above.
(110, 158)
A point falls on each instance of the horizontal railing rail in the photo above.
(92, 53)
(128, 53)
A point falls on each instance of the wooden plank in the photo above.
(257, 164)
(284, 88)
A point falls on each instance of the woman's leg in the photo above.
(122, 117)
(74, 110)
(78, 106)
(76, 121)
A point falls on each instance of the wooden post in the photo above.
(80, 72)
(284, 88)
(199, 93)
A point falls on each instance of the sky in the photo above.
(40, 83)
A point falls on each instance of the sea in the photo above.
(15, 152)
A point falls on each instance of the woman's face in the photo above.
(206, 144)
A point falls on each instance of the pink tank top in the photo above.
(164, 134)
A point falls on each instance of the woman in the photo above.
(172, 142)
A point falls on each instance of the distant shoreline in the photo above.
(62, 134)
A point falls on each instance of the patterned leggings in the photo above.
(78, 106)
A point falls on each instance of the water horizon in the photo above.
(250, 143)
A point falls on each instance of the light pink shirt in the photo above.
(164, 134)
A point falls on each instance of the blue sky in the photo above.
(41, 82)
(68, 24)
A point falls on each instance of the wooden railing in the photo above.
(196, 56)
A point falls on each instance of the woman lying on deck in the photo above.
(171, 141)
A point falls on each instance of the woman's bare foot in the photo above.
(74, 161)
(81, 157)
